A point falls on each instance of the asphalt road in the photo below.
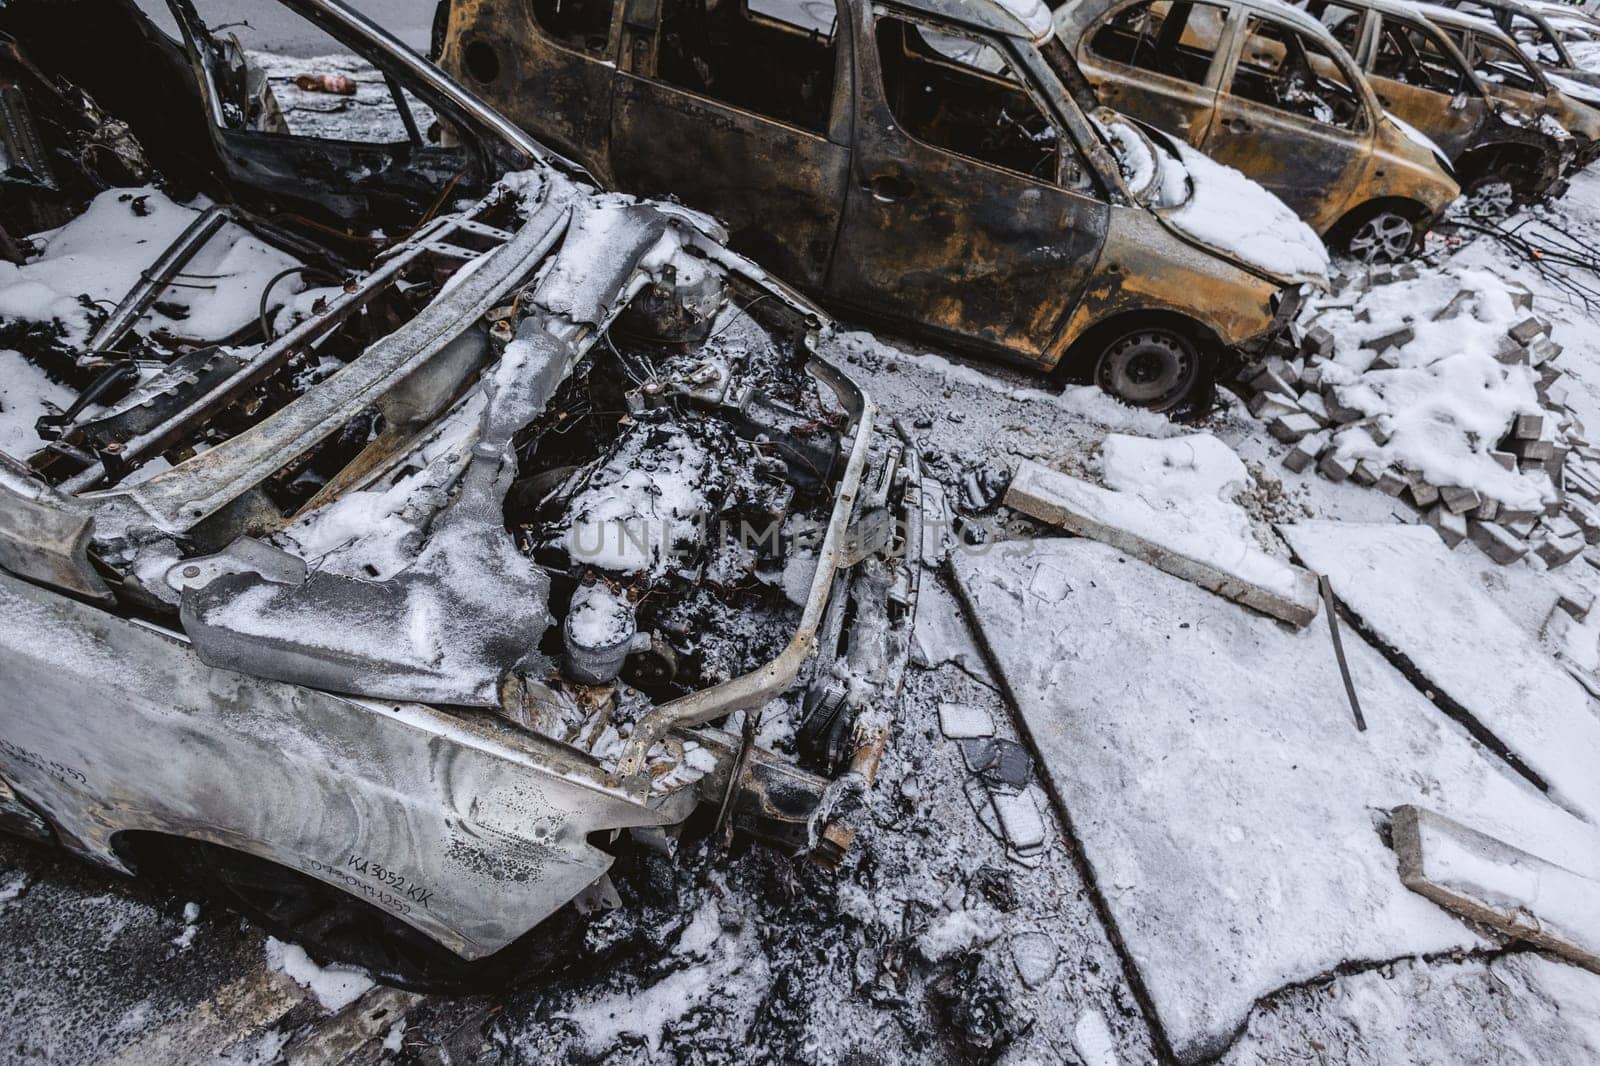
(269, 26)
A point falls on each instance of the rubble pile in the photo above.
(1440, 388)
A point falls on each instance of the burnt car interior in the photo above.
(584, 25)
(1280, 68)
(760, 62)
(1494, 63)
(971, 105)
(1406, 54)
(1163, 37)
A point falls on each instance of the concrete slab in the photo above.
(1207, 765)
(1405, 587)
(1490, 881)
(1240, 572)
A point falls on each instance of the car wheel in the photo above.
(1491, 197)
(334, 927)
(1156, 367)
(1384, 237)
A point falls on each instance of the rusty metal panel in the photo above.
(484, 828)
(561, 90)
(971, 253)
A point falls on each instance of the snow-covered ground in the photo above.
(1215, 879)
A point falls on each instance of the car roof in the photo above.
(1450, 16)
(1016, 18)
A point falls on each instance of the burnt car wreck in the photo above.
(419, 515)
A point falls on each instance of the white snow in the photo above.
(1234, 214)
(100, 255)
(191, 919)
(335, 987)
(1407, 587)
(1091, 1038)
(1226, 803)
(25, 393)
(1449, 402)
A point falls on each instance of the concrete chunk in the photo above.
(1511, 353)
(1558, 551)
(1451, 527)
(1489, 881)
(1423, 494)
(1496, 542)
(1525, 331)
(1458, 498)
(1528, 427)
(1317, 341)
(1391, 483)
(1394, 339)
(1305, 452)
(1335, 467)
(1124, 521)
(1269, 405)
(1292, 427)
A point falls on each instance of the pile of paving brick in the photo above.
(1287, 391)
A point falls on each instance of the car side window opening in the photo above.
(965, 98)
(1499, 65)
(1283, 69)
(769, 57)
(1342, 21)
(582, 25)
(322, 90)
(1175, 39)
(1408, 54)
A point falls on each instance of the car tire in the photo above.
(1491, 197)
(1383, 236)
(1157, 367)
(335, 927)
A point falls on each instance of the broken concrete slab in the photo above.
(1252, 862)
(1459, 499)
(1305, 452)
(1502, 886)
(1415, 598)
(1292, 427)
(1169, 540)
(1451, 527)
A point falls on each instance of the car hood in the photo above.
(1214, 206)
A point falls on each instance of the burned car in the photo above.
(1544, 38)
(938, 165)
(408, 529)
(1516, 81)
(1262, 87)
(1421, 78)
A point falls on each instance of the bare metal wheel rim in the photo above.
(1153, 368)
(1383, 238)
(1493, 199)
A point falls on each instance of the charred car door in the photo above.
(970, 212)
(1159, 61)
(732, 107)
(1293, 119)
(558, 77)
(1419, 76)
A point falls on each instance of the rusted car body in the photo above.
(1514, 79)
(1264, 88)
(795, 125)
(313, 607)
(1420, 77)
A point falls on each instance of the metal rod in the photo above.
(1338, 649)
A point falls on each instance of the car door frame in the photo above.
(790, 253)
(1202, 98)
(1477, 105)
(1360, 143)
(851, 281)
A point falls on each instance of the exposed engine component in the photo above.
(600, 631)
